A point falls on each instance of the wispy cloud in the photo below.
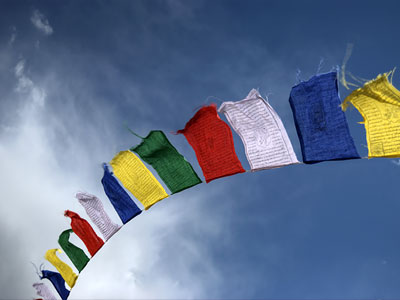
(13, 36)
(396, 162)
(41, 22)
(26, 86)
(246, 236)
(141, 260)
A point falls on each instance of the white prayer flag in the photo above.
(95, 210)
(262, 132)
(43, 291)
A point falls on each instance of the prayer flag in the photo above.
(95, 210)
(320, 123)
(58, 283)
(75, 254)
(137, 179)
(43, 291)
(119, 198)
(262, 132)
(65, 271)
(171, 166)
(85, 232)
(378, 101)
(212, 141)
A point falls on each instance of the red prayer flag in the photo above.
(211, 139)
(85, 232)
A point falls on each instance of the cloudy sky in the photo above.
(73, 72)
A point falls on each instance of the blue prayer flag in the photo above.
(58, 283)
(320, 122)
(122, 202)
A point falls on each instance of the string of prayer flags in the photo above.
(171, 166)
(75, 254)
(66, 272)
(212, 141)
(85, 232)
(125, 207)
(137, 179)
(95, 210)
(378, 101)
(58, 283)
(43, 290)
(265, 139)
(320, 123)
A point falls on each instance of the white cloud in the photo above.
(157, 255)
(35, 94)
(151, 259)
(13, 36)
(41, 22)
(396, 162)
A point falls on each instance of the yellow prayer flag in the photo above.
(378, 101)
(135, 177)
(66, 272)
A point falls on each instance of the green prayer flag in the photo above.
(171, 166)
(75, 254)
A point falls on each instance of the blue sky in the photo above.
(71, 74)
